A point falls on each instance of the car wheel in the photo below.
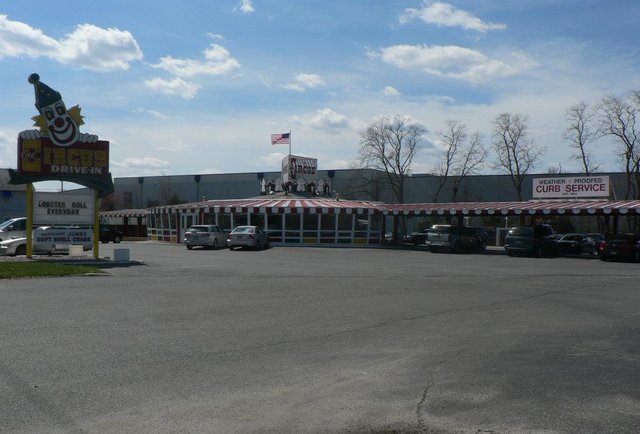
(456, 247)
(539, 253)
(231, 248)
(116, 239)
(189, 247)
(267, 245)
(215, 244)
(637, 256)
(21, 250)
(604, 257)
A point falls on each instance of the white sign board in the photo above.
(295, 167)
(67, 208)
(572, 187)
(49, 237)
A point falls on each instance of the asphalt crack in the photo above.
(419, 413)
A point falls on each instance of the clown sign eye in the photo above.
(60, 109)
(49, 114)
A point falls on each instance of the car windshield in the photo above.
(443, 229)
(6, 224)
(197, 229)
(243, 229)
(521, 232)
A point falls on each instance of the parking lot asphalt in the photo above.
(323, 340)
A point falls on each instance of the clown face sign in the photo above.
(57, 150)
(55, 121)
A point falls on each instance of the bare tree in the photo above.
(515, 153)
(452, 137)
(618, 118)
(555, 170)
(389, 145)
(579, 134)
(462, 156)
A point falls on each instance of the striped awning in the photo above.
(125, 213)
(532, 207)
(279, 205)
(296, 205)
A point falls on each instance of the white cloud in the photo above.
(211, 171)
(174, 87)
(88, 46)
(142, 163)
(391, 91)
(451, 61)
(177, 146)
(324, 119)
(246, 7)
(274, 159)
(445, 15)
(5, 145)
(154, 113)
(305, 81)
(218, 61)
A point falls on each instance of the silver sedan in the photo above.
(248, 236)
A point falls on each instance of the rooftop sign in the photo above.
(572, 187)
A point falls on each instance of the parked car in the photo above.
(537, 240)
(457, 239)
(248, 236)
(576, 244)
(206, 236)
(107, 233)
(624, 247)
(13, 228)
(49, 240)
(417, 238)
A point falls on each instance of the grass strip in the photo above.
(12, 270)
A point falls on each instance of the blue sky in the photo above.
(198, 86)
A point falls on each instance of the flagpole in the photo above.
(289, 145)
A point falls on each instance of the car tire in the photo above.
(21, 250)
(116, 239)
(231, 248)
(538, 252)
(189, 247)
(637, 256)
(215, 244)
(456, 247)
(604, 257)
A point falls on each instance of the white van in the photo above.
(48, 240)
(13, 228)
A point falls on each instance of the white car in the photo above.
(48, 240)
(248, 236)
(13, 228)
(206, 236)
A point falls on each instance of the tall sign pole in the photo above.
(29, 220)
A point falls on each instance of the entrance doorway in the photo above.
(186, 221)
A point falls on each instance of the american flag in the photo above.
(280, 139)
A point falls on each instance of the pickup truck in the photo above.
(49, 240)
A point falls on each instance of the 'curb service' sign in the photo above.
(571, 187)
